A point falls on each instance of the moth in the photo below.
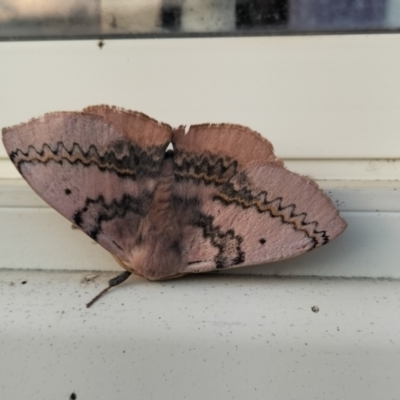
(220, 199)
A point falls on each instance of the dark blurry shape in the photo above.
(20, 19)
(261, 13)
(171, 16)
(337, 14)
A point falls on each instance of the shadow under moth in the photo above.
(220, 199)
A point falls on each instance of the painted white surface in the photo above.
(348, 170)
(313, 97)
(202, 338)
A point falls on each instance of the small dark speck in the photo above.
(67, 191)
(24, 282)
(262, 241)
(101, 44)
(73, 396)
(314, 309)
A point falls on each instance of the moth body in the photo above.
(158, 252)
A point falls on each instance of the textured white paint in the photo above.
(312, 96)
(7, 169)
(208, 337)
(370, 170)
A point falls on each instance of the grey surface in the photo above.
(195, 338)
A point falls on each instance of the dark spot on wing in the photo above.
(175, 247)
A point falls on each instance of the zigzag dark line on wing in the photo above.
(220, 240)
(136, 163)
(207, 174)
(238, 201)
(244, 197)
(210, 168)
(108, 211)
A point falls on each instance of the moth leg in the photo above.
(111, 283)
(119, 261)
(123, 265)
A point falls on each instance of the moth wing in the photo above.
(241, 206)
(98, 168)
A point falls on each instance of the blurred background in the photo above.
(75, 18)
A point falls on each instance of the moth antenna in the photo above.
(111, 283)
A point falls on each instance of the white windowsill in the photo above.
(198, 337)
